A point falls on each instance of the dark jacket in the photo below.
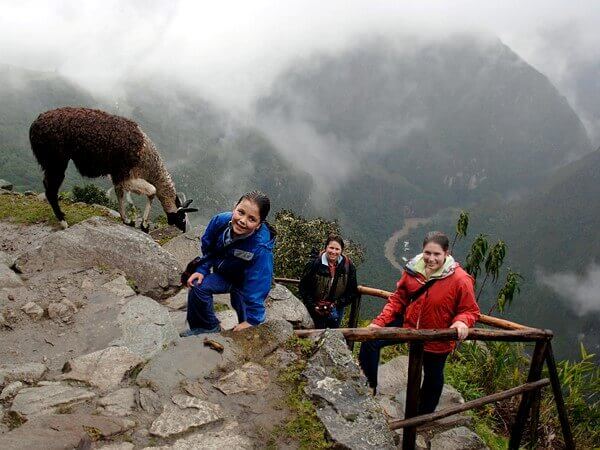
(316, 283)
(247, 263)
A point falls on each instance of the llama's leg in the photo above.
(52, 182)
(120, 193)
(142, 187)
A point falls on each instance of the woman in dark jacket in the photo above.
(328, 284)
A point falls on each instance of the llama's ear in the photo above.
(187, 210)
(177, 201)
(187, 203)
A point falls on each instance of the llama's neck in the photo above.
(155, 172)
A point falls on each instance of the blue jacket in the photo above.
(247, 263)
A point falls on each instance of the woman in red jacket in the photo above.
(433, 292)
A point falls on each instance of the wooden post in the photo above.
(535, 419)
(354, 316)
(558, 398)
(415, 366)
(535, 373)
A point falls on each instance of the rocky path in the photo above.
(389, 248)
(91, 356)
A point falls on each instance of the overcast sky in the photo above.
(232, 49)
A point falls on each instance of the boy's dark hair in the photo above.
(437, 237)
(335, 237)
(264, 206)
(261, 200)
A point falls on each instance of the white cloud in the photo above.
(231, 50)
(581, 292)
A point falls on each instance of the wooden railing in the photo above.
(504, 331)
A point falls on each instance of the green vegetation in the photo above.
(478, 369)
(221, 307)
(304, 426)
(92, 195)
(29, 210)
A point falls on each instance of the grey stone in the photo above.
(188, 359)
(9, 279)
(450, 397)
(6, 185)
(183, 414)
(63, 431)
(283, 305)
(257, 342)
(119, 403)
(251, 377)
(146, 327)
(7, 259)
(178, 301)
(393, 376)
(100, 242)
(3, 321)
(33, 310)
(62, 311)
(29, 372)
(104, 369)
(228, 319)
(118, 446)
(46, 399)
(460, 438)
(119, 287)
(150, 401)
(352, 418)
(185, 247)
(11, 390)
(226, 438)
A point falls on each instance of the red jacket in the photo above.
(448, 300)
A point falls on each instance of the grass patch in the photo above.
(31, 210)
(221, 307)
(304, 426)
(13, 420)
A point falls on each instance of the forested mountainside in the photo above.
(425, 127)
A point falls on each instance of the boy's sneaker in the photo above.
(197, 331)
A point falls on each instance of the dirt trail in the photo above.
(392, 242)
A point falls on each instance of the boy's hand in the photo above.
(196, 276)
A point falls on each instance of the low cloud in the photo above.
(581, 292)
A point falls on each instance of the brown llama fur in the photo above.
(102, 144)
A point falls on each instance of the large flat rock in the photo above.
(351, 416)
(28, 372)
(62, 432)
(251, 377)
(283, 305)
(460, 438)
(185, 247)
(226, 438)
(100, 242)
(188, 359)
(183, 414)
(146, 327)
(104, 369)
(9, 279)
(46, 399)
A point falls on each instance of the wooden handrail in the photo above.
(424, 335)
(380, 293)
(425, 418)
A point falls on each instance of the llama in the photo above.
(102, 144)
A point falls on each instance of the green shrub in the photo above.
(92, 194)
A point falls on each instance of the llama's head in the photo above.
(179, 217)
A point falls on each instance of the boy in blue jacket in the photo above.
(238, 247)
